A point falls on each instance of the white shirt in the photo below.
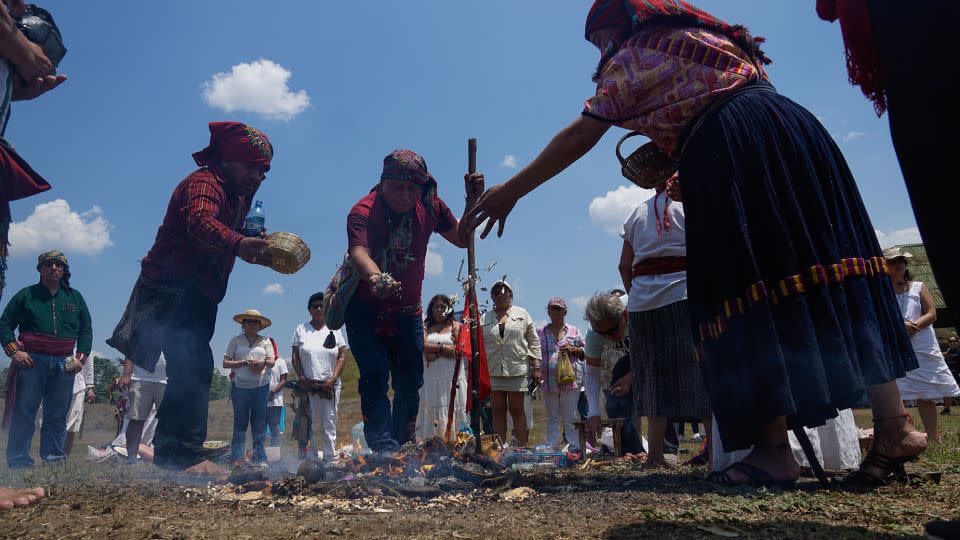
(159, 373)
(318, 362)
(83, 377)
(261, 351)
(278, 369)
(640, 231)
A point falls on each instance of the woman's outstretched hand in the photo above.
(493, 208)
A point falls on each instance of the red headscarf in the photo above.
(234, 141)
(863, 61)
(628, 16)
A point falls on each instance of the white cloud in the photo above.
(53, 225)
(433, 262)
(259, 87)
(852, 136)
(898, 237)
(98, 354)
(509, 161)
(273, 288)
(579, 302)
(610, 211)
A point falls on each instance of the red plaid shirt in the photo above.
(198, 238)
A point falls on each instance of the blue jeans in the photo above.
(49, 382)
(397, 359)
(249, 407)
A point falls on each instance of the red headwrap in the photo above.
(233, 141)
(863, 62)
(629, 15)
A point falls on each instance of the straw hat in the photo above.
(896, 253)
(252, 314)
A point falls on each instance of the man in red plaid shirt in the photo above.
(183, 278)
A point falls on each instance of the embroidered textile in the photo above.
(661, 79)
(233, 141)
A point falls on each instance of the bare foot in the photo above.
(11, 498)
(777, 461)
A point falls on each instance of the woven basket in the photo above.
(289, 252)
(647, 166)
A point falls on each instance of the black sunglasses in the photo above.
(610, 331)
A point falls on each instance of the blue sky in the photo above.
(342, 85)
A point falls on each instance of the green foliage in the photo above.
(220, 386)
(105, 372)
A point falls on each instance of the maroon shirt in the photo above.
(198, 238)
(367, 227)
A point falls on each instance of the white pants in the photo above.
(323, 419)
(146, 437)
(75, 414)
(562, 406)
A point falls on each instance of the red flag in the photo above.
(463, 344)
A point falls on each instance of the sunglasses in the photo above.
(52, 263)
(610, 331)
(245, 321)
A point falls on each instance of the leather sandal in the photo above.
(756, 477)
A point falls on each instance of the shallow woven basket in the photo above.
(647, 166)
(289, 252)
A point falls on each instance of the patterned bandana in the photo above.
(628, 16)
(56, 255)
(409, 165)
(234, 141)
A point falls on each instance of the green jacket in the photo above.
(64, 314)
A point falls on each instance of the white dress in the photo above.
(836, 445)
(435, 392)
(932, 380)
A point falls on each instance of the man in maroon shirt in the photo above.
(388, 231)
(173, 306)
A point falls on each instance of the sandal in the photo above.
(892, 467)
(756, 477)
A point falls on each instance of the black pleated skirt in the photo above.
(791, 307)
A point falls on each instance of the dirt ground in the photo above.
(89, 500)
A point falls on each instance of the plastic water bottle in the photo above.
(255, 222)
(359, 441)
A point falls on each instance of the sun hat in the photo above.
(896, 252)
(252, 314)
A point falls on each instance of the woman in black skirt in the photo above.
(793, 314)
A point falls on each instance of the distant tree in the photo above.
(105, 372)
(220, 386)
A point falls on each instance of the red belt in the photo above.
(44, 344)
(659, 265)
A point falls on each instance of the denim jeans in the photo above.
(49, 382)
(249, 408)
(182, 416)
(398, 359)
(273, 424)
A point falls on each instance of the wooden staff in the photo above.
(472, 302)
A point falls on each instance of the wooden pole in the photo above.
(472, 302)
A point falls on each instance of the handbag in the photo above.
(565, 374)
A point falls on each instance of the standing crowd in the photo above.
(758, 300)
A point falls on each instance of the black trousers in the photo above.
(915, 46)
(182, 417)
